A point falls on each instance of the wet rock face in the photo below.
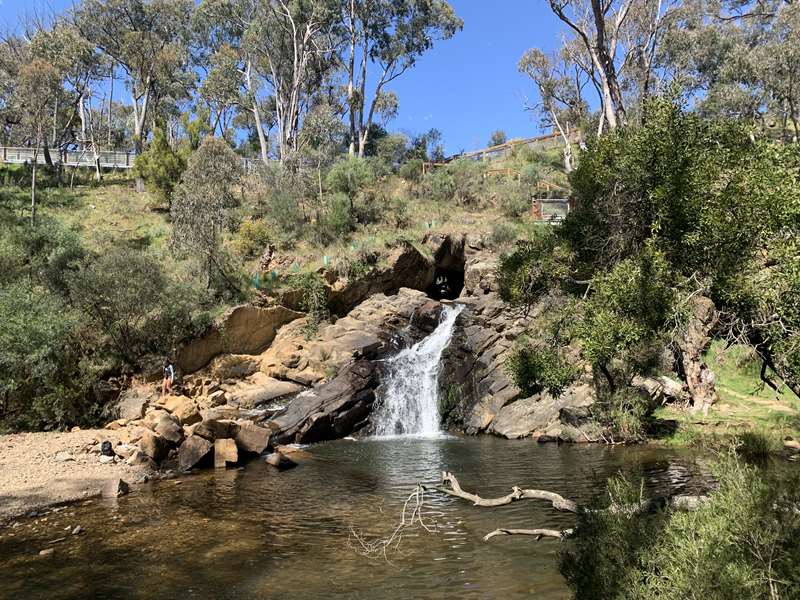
(483, 398)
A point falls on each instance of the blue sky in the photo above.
(466, 87)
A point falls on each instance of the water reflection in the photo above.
(257, 533)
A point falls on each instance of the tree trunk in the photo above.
(699, 377)
(33, 184)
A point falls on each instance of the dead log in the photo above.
(537, 533)
(558, 501)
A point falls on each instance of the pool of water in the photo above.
(258, 533)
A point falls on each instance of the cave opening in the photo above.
(447, 283)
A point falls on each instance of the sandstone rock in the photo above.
(47, 552)
(242, 330)
(140, 459)
(280, 462)
(217, 398)
(331, 411)
(124, 451)
(262, 389)
(167, 426)
(77, 530)
(252, 438)
(63, 456)
(188, 414)
(106, 460)
(428, 316)
(233, 366)
(216, 429)
(192, 451)
(133, 402)
(225, 453)
(174, 402)
(116, 425)
(221, 413)
(154, 446)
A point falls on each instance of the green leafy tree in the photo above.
(498, 138)
(201, 204)
(160, 166)
(391, 36)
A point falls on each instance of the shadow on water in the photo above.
(258, 533)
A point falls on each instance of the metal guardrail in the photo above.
(109, 159)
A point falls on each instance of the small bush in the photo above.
(411, 170)
(515, 199)
(502, 235)
(252, 238)
(160, 166)
(626, 412)
(534, 368)
(350, 177)
(313, 300)
(438, 185)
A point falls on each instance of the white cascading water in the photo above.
(410, 398)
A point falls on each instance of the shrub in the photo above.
(535, 368)
(502, 234)
(132, 308)
(313, 299)
(438, 185)
(411, 170)
(350, 177)
(626, 411)
(252, 238)
(160, 166)
(515, 199)
(743, 543)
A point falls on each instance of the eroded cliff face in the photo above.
(480, 396)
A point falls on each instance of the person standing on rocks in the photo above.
(169, 377)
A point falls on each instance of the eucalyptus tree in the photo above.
(620, 39)
(390, 35)
(227, 29)
(201, 203)
(148, 39)
(560, 85)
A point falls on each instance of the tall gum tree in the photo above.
(147, 39)
(389, 35)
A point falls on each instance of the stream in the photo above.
(255, 532)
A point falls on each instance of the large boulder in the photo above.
(331, 411)
(133, 402)
(259, 389)
(541, 413)
(242, 330)
(225, 453)
(406, 267)
(168, 427)
(216, 429)
(154, 446)
(192, 451)
(280, 462)
(252, 438)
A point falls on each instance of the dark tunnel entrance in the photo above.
(447, 284)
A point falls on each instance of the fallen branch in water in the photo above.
(538, 533)
(381, 546)
(558, 501)
(453, 488)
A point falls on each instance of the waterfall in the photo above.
(410, 398)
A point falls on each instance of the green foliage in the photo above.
(160, 166)
(411, 170)
(350, 177)
(538, 367)
(514, 198)
(133, 309)
(498, 137)
(438, 185)
(502, 234)
(742, 544)
(252, 238)
(40, 383)
(313, 299)
(536, 267)
(628, 311)
(626, 412)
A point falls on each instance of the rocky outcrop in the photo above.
(485, 399)
(242, 330)
(332, 411)
(406, 267)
